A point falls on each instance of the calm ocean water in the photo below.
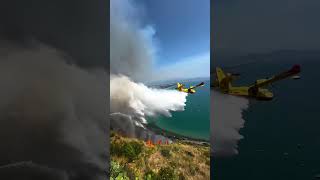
(282, 136)
(194, 121)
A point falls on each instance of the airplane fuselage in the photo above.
(260, 93)
(190, 90)
(257, 90)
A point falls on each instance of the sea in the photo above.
(282, 136)
(194, 121)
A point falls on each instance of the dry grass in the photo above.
(191, 161)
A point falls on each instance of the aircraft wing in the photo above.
(261, 83)
(198, 85)
(163, 86)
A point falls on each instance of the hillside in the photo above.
(134, 159)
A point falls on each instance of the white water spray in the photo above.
(226, 121)
(137, 101)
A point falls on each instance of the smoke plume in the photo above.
(131, 43)
(226, 121)
(132, 53)
(136, 101)
(52, 113)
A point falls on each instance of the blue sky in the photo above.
(182, 34)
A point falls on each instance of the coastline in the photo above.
(175, 137)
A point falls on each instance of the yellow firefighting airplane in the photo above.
(223, 83)
(191, 89)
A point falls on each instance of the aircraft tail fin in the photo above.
(220, 74)
(223, 80)
(179, 86)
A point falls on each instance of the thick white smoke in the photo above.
(226, 121)
(52, 113)
(135, 101)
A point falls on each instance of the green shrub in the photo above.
(129, 152)
(175, 149)
(189, 154)
(117, 172)
(150, 175)
(115, 169)
(115, 148)
(165, 153)
(130, 172)
(193, 170)
(121, 176)
(132, 150)
(166, 173)
(137, 146)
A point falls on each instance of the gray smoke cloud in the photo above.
(131, 47)
(226, 121)
(131, 103)
(52, 113)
